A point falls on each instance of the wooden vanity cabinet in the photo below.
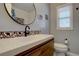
(43, 49)
(47, 49)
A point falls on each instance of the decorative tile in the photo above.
(12, 34)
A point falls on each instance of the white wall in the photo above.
(7, 24)
(73, 35)
(43, 9)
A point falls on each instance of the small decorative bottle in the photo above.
(13, 13)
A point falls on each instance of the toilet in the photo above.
(60, 48)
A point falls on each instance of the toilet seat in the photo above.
(60, 47)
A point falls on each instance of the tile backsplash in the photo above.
(11, 34)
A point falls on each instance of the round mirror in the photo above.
(22, 13)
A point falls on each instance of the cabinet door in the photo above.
(48, 52)
(48, 49)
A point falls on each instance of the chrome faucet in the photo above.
(27, 30)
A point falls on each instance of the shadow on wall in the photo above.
(72, 54)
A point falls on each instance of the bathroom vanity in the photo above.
(43, 49)
(33, 45)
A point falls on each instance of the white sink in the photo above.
(13, 46)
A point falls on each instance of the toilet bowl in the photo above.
(60, 48)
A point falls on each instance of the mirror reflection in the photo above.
(22, 13)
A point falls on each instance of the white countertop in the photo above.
(13, 46)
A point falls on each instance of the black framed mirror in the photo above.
(22, 13)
